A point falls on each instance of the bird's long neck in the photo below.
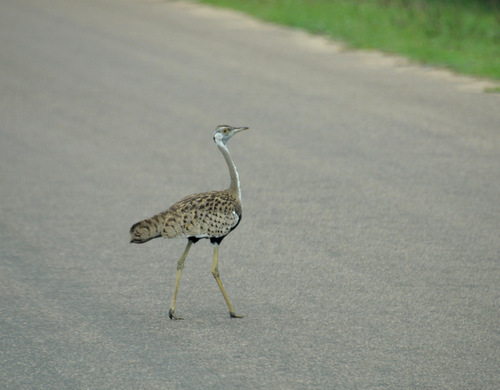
(234, 186)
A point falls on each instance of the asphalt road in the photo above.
(368, 254)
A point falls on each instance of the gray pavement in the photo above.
(368, 254)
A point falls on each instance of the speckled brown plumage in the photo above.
(206, 215)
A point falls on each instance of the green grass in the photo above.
(462, 35)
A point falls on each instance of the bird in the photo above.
(208, 215)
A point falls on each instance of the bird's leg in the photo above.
(215, 273)
(180, 266)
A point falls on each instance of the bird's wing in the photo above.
(209, 214)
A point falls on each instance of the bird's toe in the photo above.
(173, 316)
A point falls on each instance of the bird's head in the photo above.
(224, 132)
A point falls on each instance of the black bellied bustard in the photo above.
(212, 215)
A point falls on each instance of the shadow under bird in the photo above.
(211, 215)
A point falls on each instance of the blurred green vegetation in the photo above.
(462, 35)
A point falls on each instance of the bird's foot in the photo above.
(173, 316)
(234, 315)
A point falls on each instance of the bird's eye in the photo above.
(225, 130)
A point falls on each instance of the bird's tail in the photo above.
(162, 224)
(146, 230)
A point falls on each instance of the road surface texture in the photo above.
(368, 254)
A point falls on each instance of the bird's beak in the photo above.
(238, 129)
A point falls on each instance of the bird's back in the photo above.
(206, 215)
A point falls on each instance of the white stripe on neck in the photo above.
(233, 172)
